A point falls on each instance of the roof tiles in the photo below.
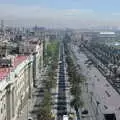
(4, 72)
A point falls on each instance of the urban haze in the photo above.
(59, 60)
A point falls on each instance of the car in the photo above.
(30, 118)
(84, 113)
(60, 62)
(65, 117)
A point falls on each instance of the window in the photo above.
(1, 110)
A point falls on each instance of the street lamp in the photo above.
(91, 94)
(97, 113)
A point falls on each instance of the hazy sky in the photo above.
(61, 13)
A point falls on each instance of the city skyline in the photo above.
(60, 13)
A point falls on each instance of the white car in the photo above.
(60, 62)
(30, 118)
(65, 117)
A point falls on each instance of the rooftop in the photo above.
(19, 59)
(4, 72)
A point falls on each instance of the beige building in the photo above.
(18, 74)
(34, 47)
(3, 107)
(15, 87)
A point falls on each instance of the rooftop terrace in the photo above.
(4, 71)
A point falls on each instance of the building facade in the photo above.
(18, 73)
(16, 83)
(34, 47)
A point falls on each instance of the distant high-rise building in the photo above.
(2, 25)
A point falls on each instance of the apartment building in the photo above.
(3, 107)
(18, 74)
(15, 86)
(34, 47)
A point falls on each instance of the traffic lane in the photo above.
(101, 85)
(62, 109)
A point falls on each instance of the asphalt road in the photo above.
(91, 74)
(61, 103)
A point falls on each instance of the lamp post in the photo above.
(91, 96)
(97, 112)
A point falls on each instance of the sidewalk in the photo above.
(25, 113)
(88, 105)
(85, 95)
(89, 99)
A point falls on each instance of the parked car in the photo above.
(30, 118)
(84, 113)
(60, 62)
